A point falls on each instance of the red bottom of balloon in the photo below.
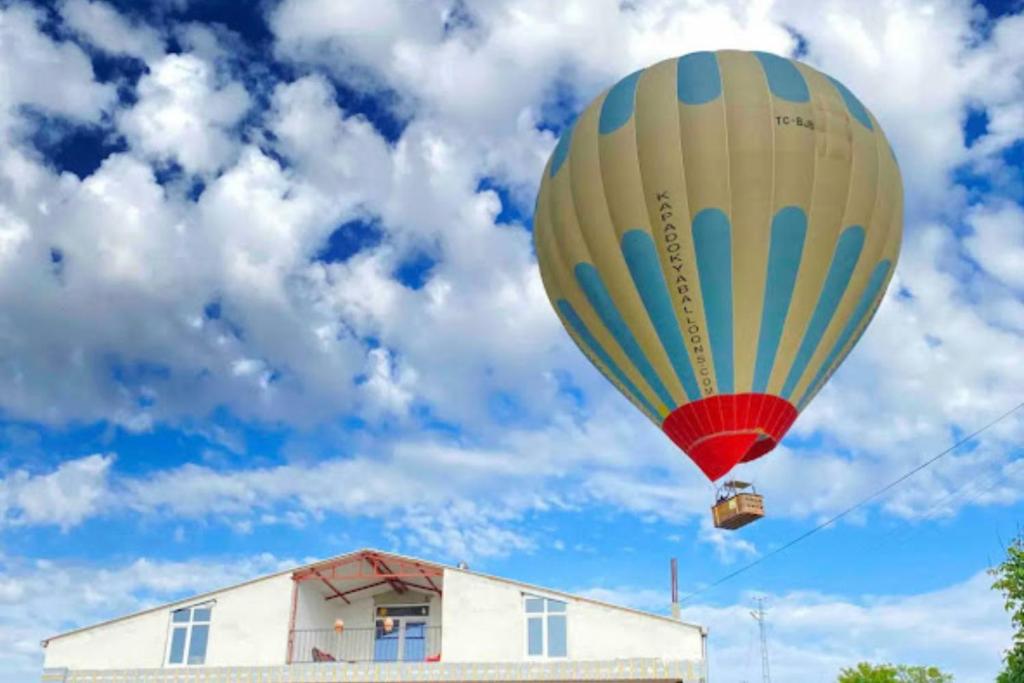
(721, 431)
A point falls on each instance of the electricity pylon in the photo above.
(766, 676)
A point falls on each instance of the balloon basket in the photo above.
(737, 508)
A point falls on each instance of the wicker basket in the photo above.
(738, 510)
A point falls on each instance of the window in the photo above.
(190, 633)
(406, 640)
(546, 627)
(403, 611)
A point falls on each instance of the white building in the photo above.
(376, 616)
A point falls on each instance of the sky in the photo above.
(268, 294)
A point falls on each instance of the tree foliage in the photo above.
(1009, 580)
(891, 673)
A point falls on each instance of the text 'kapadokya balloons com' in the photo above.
(715, 232)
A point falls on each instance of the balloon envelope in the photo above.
(715, 232)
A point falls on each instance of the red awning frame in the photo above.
(377, 568)
(371, 566)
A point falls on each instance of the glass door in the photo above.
(405, 642)
(414, 641)
(386, 643)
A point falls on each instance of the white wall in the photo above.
(248, 626)
(484, 620)
(312, 611)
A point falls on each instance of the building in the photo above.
(376, 616)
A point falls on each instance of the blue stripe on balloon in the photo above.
(697, 78)
(863, 307)
(713, 243)
(789, 227)
(642, 259)
(853, 105)
(561, 152)
(838, 279)
(618, 104)
(784, 79)
(577, 324)
(598, 296)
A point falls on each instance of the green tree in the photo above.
(889, 673)
(1009, 581)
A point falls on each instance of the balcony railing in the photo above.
(410, 642)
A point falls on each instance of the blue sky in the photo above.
(267, 293)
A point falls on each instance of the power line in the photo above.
(835, 518)
(986, 484)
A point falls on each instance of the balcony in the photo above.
(406, 642)
(366, 608)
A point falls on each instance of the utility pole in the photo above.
(674, 568)
(766, 676)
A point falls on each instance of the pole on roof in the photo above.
(675, 588)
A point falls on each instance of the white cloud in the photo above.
(488, 79)
(104, 27)
(998, 241)
(37, 71)
(421, 479)
(460, 531)
(64, 497)
(342, 156)
(364, 33)
(646, 599)
(389, 382)
(728, 546)
(185, 113)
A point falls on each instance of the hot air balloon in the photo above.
(715, 233)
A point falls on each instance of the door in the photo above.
(386, 644)
(414, 641)
(405, 642)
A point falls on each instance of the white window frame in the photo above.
(543, 616)
(172, 625)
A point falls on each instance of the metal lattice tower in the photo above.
(766, 675)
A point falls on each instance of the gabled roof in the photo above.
(408, 568)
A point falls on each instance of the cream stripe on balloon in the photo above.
(865, 204)
(832, 160)
(748, 111)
